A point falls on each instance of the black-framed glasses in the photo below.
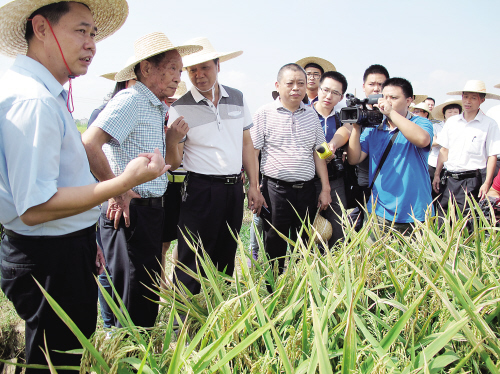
(313, 75)
(327, 91)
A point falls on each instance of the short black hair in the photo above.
(291, 66)
(375, 69)
(118, 87)
(314, 65)
(336, 76)
(453, 106)
(400, 82)
(53, 12)
(430, 98)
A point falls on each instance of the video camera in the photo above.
(357, 112)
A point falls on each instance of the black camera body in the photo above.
(357, 112)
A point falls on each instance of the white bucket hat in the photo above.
(437, 112)
(151, 45)
(325, 64)
(475, 86)
(180, 91)
(423, 106)
(207, 53)
(108, 16)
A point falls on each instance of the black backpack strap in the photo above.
(384, 156)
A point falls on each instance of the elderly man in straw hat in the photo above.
(469, 142)
(315, 67)
(422, 110)
(217, 144)
(131, 224)
(47, 193)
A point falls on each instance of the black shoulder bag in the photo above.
(384, 156)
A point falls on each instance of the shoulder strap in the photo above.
(338, 125)
(384, 156)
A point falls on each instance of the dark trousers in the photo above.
(65, 268)
(458, 189)
(133, 255)
(360, 195)
(334, 212)
(210, 210)
(282, 200)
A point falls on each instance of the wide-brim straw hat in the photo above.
(108, 16)
(424, 106)
(110, 76)
(180, 91)
(151, 45)
(475, 86)
(208, 53)
(325, 64)
(417, 99)
(437, 112)
(497, 85)
(323, 227)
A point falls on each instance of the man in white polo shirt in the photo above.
(217, 144)
(287, 133)
(469, 142)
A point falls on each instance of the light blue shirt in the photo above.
(40, 149)
(135, 119)
(402, 187)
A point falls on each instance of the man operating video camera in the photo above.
(397, 151)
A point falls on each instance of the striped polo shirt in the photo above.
(214, 142)
(287, 141)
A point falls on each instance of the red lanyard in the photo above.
(70, 76)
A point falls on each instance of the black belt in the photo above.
(298, 184)
(150, 201)
(82, 232)
(226, 179)
(461, 175)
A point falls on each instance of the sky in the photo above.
(436, 45)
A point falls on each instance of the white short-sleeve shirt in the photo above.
(469, 143)
(214, 142)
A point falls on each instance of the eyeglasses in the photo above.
(313, 75)
(328, 91)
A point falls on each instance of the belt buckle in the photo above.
(298, 185)
(230, 180)
(455, 176)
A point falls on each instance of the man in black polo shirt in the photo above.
(332, 87)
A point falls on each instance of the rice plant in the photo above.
(425, 302)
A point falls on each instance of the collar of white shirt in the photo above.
(197, 96)
(479, 117)
(41, 72)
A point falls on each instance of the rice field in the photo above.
(428, 302)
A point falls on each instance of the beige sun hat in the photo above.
(437, 112)
(151, 45)
(207, 53)
(180, 91)
(417, 99)
(108, 15)
(110, 76)
(497, 85)
(424, 106)
(325, 64)
(475, 86)
(323, 227)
